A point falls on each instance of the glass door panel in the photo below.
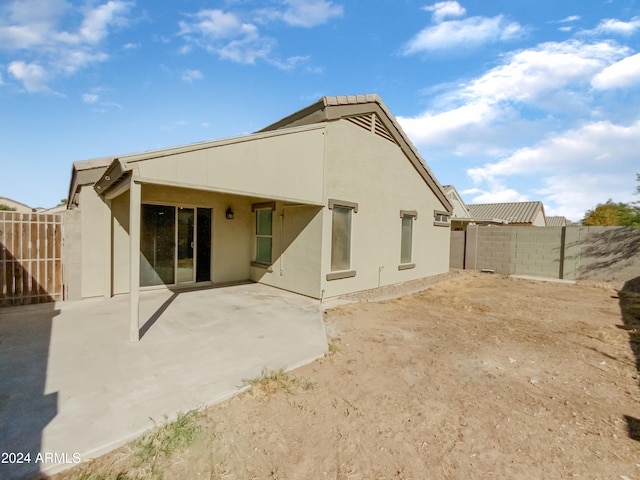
(185, 263)
(157, 239)
(203, 245)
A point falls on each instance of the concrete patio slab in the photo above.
(72, 385)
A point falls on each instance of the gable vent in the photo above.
(372, 123)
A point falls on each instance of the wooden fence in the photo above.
(30, 258)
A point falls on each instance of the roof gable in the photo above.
(367, 111)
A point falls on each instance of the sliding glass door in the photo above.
(175, 245)
(186, 244)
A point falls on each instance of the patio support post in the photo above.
(108, 251)
(135, 200)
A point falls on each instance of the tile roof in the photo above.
(556, 221)
(516, 212)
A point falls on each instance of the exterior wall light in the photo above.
(229, 213)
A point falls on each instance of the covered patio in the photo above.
(71, 382)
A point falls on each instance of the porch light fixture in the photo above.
(229, 213)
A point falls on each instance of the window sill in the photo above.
(264, 266)
(339, 275)
(406, 266)
(441, 224)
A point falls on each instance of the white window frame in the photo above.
(441, 218)
(255, 208)
(413, 215)
(353, 207)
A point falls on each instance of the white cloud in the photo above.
(497, 193)
(529, 74)
(467, 33)
(231, 36)
(595, 146)
(190, 76)
(436, 127)
(33, 76)
(216, 24)
(309, 13)
(569, 19)
(572, 195)
(621, 74)
(33, 28)
(442, 10)
(226, 35)
(90, 98)
(545, 77)
(29, 23)
(94, 27)
(616, 27)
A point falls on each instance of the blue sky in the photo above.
(507, 100)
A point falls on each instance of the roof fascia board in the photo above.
(313, 113)
(191, 186)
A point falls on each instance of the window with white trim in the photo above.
(406, 238)
(341, 218)
(441, 219)
(264, 232)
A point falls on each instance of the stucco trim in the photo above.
(406, 266)
(267, 266)
(441, 224)
(409, 213)
(263, 205)
(339, 275)
(343, 203)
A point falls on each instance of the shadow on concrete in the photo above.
(175, 292)
(629, 298)
(25, 408)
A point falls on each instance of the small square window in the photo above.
(441, 219)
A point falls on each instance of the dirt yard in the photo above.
(478, 377)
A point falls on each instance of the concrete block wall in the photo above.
(456, 251)
(536, 251)
(494, 249)
(596, 253)
(609, 253)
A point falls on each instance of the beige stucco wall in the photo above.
(94, 237)
(373, 172)
(296, 239)
(283, 166)
(539, 221)
(296, 250)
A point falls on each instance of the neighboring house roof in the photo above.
(459, 207)
(366, 111)
(515, 212)
(18, 206)
(557, 221)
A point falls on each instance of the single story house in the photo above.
(16, 206)
(557, 221)
(461, 216)
(513, 213)
(330, 200)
